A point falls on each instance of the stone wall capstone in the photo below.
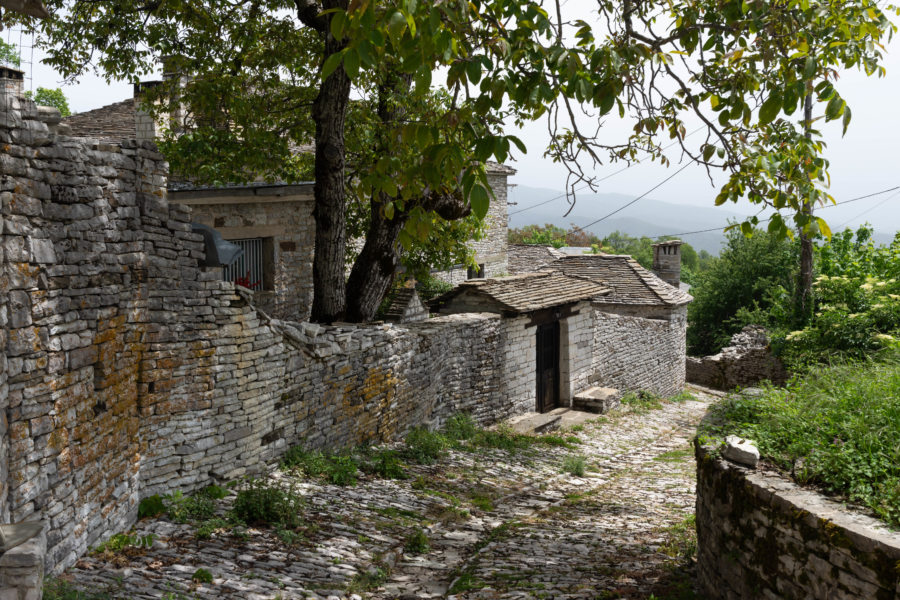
(760, 535)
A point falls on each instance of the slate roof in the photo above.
(525, 293)
(114, 122)
(629, 281)
(528, 258)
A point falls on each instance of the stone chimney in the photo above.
(667, 261)
(12, 81)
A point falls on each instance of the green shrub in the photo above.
(387, 465)
(121, 541)
(417, 542)
(338, 469)
(207, 528)
(460, 427)
(837, 428)
(261, 502)
(152, 506)
(187, 509)
(641, 402)
(424, 446)
(574, 465)
(201, 575)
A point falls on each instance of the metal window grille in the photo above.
(247, 270)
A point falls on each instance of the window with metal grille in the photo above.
(475, 272)
(253, 268)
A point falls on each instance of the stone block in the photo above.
(741, 451)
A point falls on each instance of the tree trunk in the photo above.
(329, 112)
(375, 267)
(804, 293)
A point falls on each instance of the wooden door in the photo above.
(547, 366)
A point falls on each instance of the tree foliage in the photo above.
(263, 73)
(9, 55)
(51, 97)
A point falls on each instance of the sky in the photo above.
(865, 161)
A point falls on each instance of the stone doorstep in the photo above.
(596, 400)
(532, 422)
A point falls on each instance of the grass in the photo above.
(417, 542)
(681, 539)
(837, 429)
(60, 589)
(262, 502)
(574, 465)
(338, 469)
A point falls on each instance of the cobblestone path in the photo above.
(496, 523)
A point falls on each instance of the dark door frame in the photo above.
(547, 367)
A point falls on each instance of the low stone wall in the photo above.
(746, 361)
(761, 536)
(642, 349)
(22, 570)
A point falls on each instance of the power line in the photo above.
(627, 204)
(868, 210)
(857, 199)
(601, 180)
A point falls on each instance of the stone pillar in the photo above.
(22, 570)
(667, 261)
(144, 124)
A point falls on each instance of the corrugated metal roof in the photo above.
(629, 281)
(525, 293)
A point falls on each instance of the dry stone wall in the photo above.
(761, 536)
(129, 370)
(746, 361)
(637, 348)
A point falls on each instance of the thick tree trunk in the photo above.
(329, 112)
(375, 267)
(804, 293)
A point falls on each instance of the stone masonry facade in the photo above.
(747, 360)
(129, 370)
(639, 348)
(279, 215)
(760, 535)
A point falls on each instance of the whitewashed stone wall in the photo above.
(760, 535)
(576, 360)
(520, 364)
(637, 348)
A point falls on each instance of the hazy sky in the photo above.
(866, 160)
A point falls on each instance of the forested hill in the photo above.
(647, 217)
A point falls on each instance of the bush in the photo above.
(336, 469)
(460, 427)
(262, 502)
(574, 465)
(387, 465)
(152, 506)
(424, 446)
(838, 429)
(202, 575)
(186, 509)
(417, 543)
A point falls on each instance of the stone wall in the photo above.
(130, 370)
(746, 361)
(761, 536)
(639, 348)
(22, 570)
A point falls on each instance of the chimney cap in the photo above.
(7, 72)
(669, 243)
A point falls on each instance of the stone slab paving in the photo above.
(499, 524)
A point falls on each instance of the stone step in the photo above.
(597, 400)
(533, 422)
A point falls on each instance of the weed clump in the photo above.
(338, 469)
(261, 502)
(425, 447)
(417, 542)
(574, 465)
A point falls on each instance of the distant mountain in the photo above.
(649, 217)
(653, 218)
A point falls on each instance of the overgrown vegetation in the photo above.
(856, 308)
(338, 469)
(838, 430)
(57, 588)
(264, 502)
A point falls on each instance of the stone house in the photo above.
(546, 322)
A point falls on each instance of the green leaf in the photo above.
(518, 143)
(708, 151)
(337, 25)
(770, 108)
(473, 71)
(351, 63)
(331, 63)
(835, 108)
(396, 26)
(809, 70)
(824, 228)
(847, 116)
(480, 200)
